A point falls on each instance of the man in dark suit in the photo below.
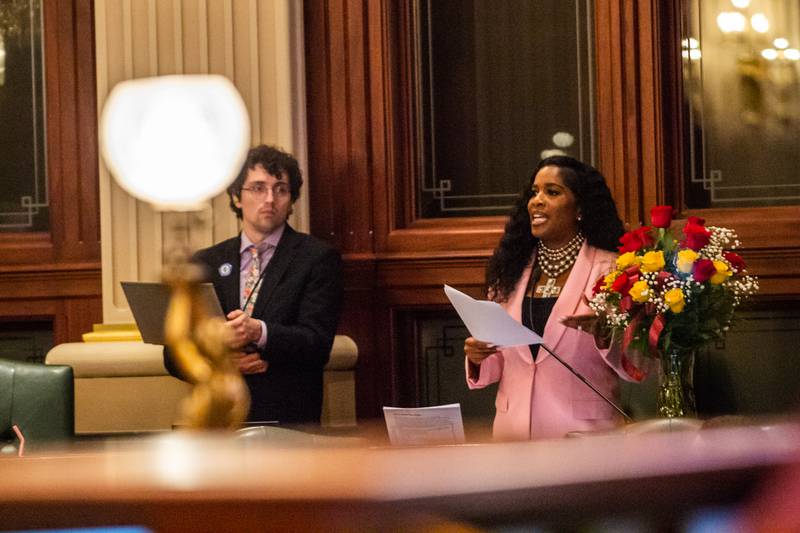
(281, 292)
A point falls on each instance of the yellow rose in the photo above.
(627, 259)
(640, 291)
(653, 261)
(723, 273)
(675, 301)
(609, 280)
(686, 259)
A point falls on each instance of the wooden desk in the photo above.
(180, 481)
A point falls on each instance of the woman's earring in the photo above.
(579, 217)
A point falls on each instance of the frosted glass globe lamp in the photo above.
(175, 141)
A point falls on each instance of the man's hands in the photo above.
(250, 363)
(245, 331)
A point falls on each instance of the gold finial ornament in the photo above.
(220, 397)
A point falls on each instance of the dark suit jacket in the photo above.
(300, 301)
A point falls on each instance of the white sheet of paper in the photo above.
(420, 426)
(489, 322)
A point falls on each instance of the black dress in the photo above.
(535, 312)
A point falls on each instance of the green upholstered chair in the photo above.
(39, 399)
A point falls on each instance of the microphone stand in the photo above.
(586, 382)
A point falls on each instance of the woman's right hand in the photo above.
(476, 351)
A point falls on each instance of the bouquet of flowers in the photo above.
(670, 296)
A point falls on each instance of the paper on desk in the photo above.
(440, 424)
(489, 322)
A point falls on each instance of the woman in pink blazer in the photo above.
(557, 243)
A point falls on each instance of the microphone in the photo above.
(587, 383)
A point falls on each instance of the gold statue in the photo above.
(220, 398)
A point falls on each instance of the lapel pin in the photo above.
(225, 269)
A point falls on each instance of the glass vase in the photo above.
(676, 385)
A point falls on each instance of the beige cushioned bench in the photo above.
(123, 387)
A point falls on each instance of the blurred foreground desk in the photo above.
(185, 482)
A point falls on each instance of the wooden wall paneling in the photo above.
(56, 274)
(649, 105)
(340, 166)
(340, 112)
(44, 281)
(403, 107)
(609, 123)
(406, 386)
(322, 199)
(58, 19)
(34, 309)
(71, 129)
(80, 315)
(631, 110)
(69, 297)
(629, 92)
(382, 126)
(64, 191)
(356, 178)
(70, 316)
(358, 322)
(670, 122)
(89, 223)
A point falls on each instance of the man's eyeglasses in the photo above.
(259, 189)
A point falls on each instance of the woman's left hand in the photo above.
(592, 325)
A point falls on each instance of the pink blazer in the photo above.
(542, 399)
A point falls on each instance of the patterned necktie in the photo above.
(251, 285)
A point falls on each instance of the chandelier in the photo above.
(15, 16)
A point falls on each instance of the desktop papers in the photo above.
(489, 322)
(419, 426)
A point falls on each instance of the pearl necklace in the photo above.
(554, 262)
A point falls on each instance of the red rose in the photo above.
(695, 235)
(633, 271)
(661, 216)
(696, 221)
(620, 283)
(703, 270)
(663, 277)
(736, 261)
(636, 240)
(624, 282)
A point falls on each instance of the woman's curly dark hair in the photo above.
(599, 223)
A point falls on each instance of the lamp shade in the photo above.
(175, 141)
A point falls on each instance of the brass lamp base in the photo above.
(220, 398)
